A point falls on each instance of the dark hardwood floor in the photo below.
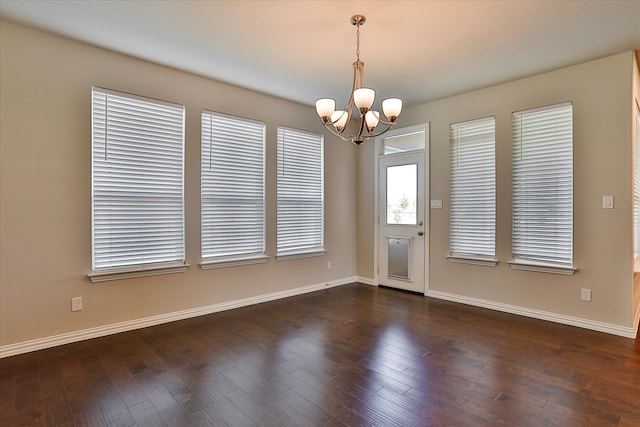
(353, 355)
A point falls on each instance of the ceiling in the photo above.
(304, 50)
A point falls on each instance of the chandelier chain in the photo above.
(358, 41)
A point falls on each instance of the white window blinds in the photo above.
(543, 185)
(300, 212)
(473, 188)
(232, 187)
(137, 181)
(636, 189)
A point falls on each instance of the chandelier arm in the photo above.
(385, 122)
(349, 107)
(331, 129)
(351, 102)
(349, 114)
(368, 135)
(375, 135)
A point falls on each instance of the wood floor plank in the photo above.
(114, 411)
(146, 415)
(217, 406)
(122, 380)
(324, 401)
(57, 410)
(169, 410)
(354, 355)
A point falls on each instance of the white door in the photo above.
(401, 226)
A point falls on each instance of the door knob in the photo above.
(420, 233)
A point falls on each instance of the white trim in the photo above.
(107, 275)
(283, 256)
(233, 261)
(540, 267)
(473, 260)
(628, 332)
(543, 108)
(130, 325)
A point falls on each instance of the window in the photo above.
(473, 192)
(402, 194)
(402, 143)
(543, 189)
(137, 178)
(300, 213)
(636, 189)
(232, 190)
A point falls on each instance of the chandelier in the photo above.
(337, 121)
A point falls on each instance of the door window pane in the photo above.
(403, 143)
(402, 194)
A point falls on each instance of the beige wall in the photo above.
(600, 92)
(45, 252)
(365, 168)
(45, 249)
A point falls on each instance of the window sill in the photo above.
(473, 260)
(302, 254)
(541, 267)
(233, 261)
(107, 275)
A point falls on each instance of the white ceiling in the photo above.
(303, 50)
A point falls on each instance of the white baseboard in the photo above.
(628, 332)
(100, 331)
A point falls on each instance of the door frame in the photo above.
(377, 154)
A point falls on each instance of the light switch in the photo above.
(436, 204)
(607, 202)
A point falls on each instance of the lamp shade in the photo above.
(371, 119)
(325, 107)
(392, 108)
(339, 119)
(363, 97)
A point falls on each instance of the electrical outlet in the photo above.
(76, 304)
(585, 294)
(328, 265)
